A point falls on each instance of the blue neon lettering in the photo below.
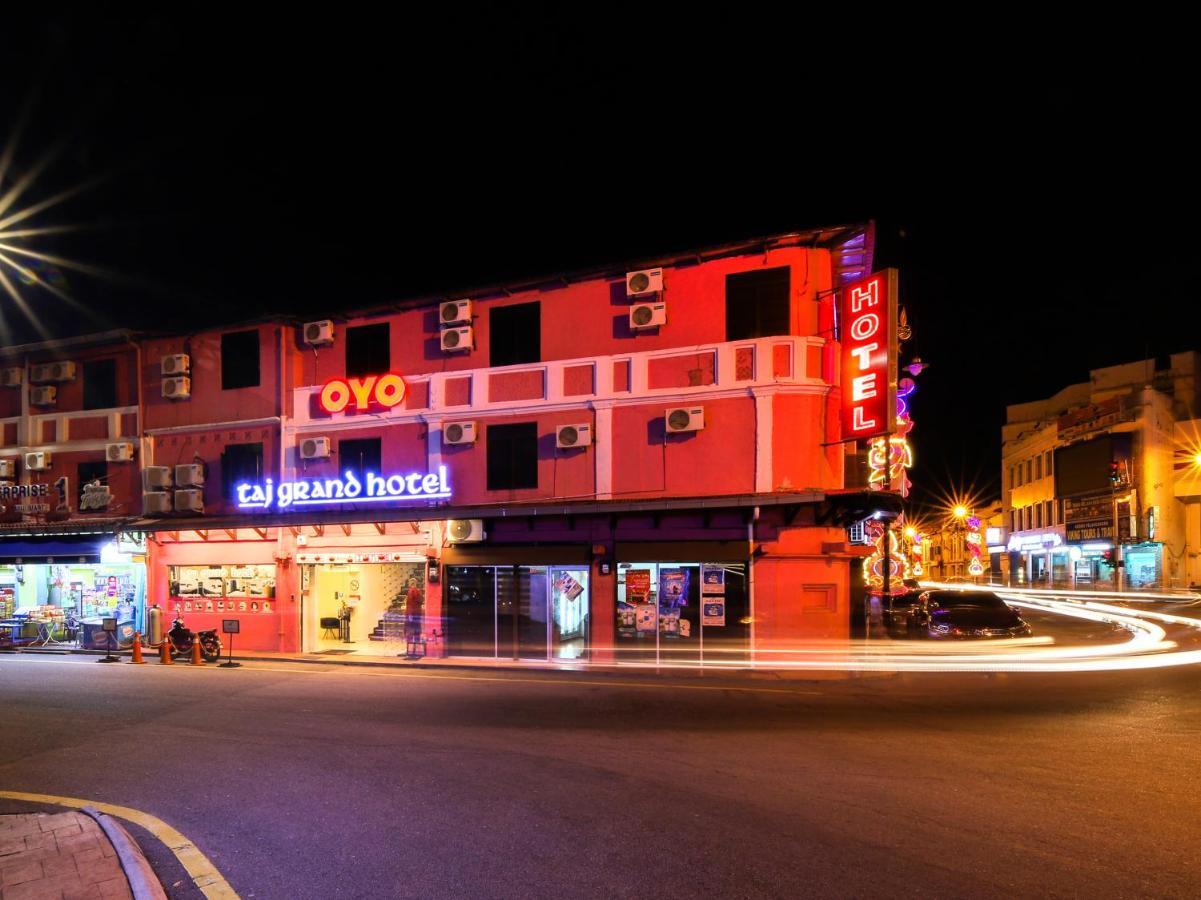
(372, 488)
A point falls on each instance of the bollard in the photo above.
(196, 660)
(165, 653)
(137, 649)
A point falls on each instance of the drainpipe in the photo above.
(750, 576)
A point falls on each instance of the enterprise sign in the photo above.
(347, 489)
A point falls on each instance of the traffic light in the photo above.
(1115, 473)
(1107, 557)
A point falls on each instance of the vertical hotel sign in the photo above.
(867, 313)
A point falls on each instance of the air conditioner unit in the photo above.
(179, 388)
(61, 371)
(458, 433)
(188, 475)
(319, 334)
(39, 373)
(156, 503)
(37, 461)
(685, 418)
(857, 533)
(644, 281)
(648, 315)
(454, 312)
(190, 500)
(155, 477)
(573, 435)
(8, 468)
(314, 448)
(13, 377)
(120, 452)
(45, 395)
(175, 364)
(456, 339)
(463, 531)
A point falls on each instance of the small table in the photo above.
(46, 633)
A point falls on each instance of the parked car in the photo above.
(966, 614)
(899, 611)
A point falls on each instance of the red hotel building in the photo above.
(634, 463)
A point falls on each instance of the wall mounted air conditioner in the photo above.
(61, 371)
(644, 281)
(156, 503)
(46, 395)
(119, 452)
(189, 475)
(190, 500)
(8, 468)
(648, 315)
(175, 364)
(314, 448)
(179, 388)
(13, 377)
(456, 339)
(155, 477)
(454, 312)
(319, 334)
(463, 531)
(685, 418)
(37, 461)
(39, 373)
(567, 436)
(458, 433)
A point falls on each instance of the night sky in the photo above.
(1039, 201)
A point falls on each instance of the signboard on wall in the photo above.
(867, 322)
(350, 488)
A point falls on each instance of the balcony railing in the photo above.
(75, 430)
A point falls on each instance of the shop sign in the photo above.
(1086, 509)
(22, 491)
(360, 394)
(95, 496)
(868, 334)
(1094, 417)
(1041, 540)
(1089, 531)
(638, 586)
(994, 534)
(713, 611)
(349, 488)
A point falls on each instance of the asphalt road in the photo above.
(321, 781)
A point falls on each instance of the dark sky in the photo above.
(1036, 192)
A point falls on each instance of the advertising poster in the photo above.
(568, 587)
(638, 586)
(713, 611)
(713, 581)
(673, 588)
(645, 616)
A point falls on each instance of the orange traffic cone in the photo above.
(137, 649)
(196, 660)
(164, 650)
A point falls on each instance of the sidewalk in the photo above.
(62, 855)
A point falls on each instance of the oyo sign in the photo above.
(868, 333)
(358, 394)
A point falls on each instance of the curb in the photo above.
(143, 883)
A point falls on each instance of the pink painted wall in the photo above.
(799, 427)
(802, 595)
(205, 445)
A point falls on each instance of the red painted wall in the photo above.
(799, 427)
(205, 445)
(124, 481)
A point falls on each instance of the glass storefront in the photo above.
(365, 607)
(682, 612)
(517, 612)
(1144, 564)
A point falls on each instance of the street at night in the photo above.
(322, 781)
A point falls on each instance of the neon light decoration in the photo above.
(873, 566)
(868, 336)
(347, 489)
(382, 390)
(975, 546)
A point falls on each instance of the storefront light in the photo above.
(112, 554)
(1097, 545)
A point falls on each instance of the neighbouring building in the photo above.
(1093, 483)
(634, 463)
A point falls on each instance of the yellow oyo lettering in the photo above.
(361, 388)
(389, 390)
(334, 396)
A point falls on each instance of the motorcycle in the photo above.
(180, 639)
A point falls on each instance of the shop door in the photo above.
(522, 621)
(471, 611)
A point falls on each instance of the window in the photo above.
(1029, 471)
(515, 334)
(360, 456)
(1014, 522)
(1011, 483)
(1019, 475)
(368, 350)
(88, 472)
(1037, 516)
(1047, 467)
(1048, 513)
(1038, 467)
(100, 384)
(512, 456)
(240, 463)
(239, 360)
(757, 303)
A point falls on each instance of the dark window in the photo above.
(515, 334)
(359, 456)
(100, 384)
(757, 304)
(239, 360)
(91, 471)
(240, 463)
(512, 456)
(367, 350)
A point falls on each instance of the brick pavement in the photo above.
(59, 856)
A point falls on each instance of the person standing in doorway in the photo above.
(413, 604)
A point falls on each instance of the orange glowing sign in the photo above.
(868, 334)
(358, 394)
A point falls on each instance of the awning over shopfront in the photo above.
(63, 548)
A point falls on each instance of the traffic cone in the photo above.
(137, 649)
(164, 650)
(196, 660)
